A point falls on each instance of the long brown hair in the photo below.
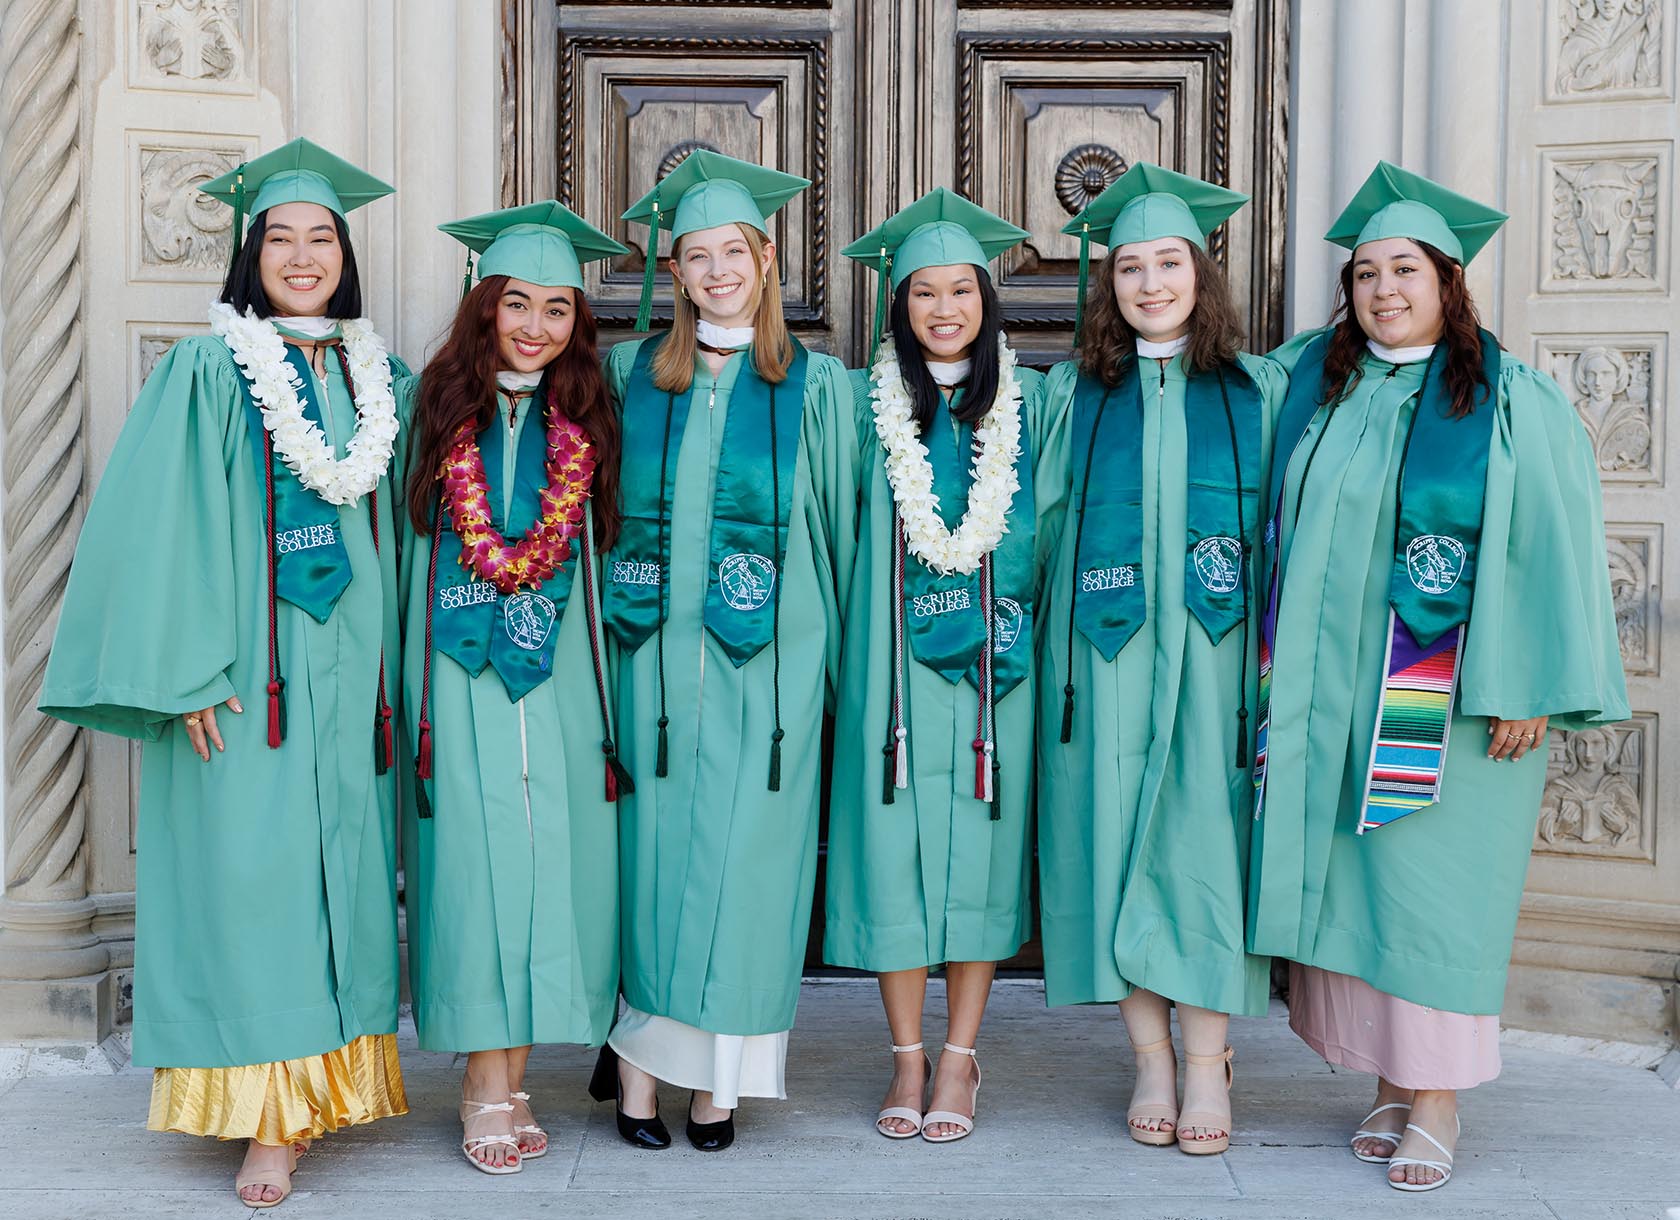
(459, 385)
(1460, 332)
(1107, 340)
(772, 352)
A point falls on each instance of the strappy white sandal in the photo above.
(913, 1117)
(963, 1122)
(529, 1129)
(1444, 1168)
(477, 1143)
(1388, 1137)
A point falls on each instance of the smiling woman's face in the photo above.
(533, 325)
(945, 310)
(717, 270)
(1397, 293)
(302, 260)
(1155, 287)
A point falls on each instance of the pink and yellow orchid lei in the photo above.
(547, 545)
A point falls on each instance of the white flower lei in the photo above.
(260, 353)
(995, 482)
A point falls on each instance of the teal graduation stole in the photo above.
(476, 624)
(311, 565)
(1223, 411)
(752, 499)
(1438, 527)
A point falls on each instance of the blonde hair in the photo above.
(772, 350)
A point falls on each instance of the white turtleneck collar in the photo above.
(306, 328)
(1148, 349)
(950, 373)
(510, 379)
(728, 337)
(1399, 355)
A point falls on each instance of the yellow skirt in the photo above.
(281, 1103)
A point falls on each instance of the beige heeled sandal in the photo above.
(963, 1122)
(905, 1113)
(473, 1144)
(267, 1177)
(530, 1128)
(1154, 1110)
(1206, 1119)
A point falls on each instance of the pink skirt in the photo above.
(1353, 1025)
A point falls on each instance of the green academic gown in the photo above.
(716, 870)
(512, 883)
(1143, 816)
(266, 921)
(932, 877)
(1424, 908)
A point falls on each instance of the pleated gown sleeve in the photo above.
(155, 560)
(1542, 566)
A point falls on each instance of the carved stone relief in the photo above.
(1608, 47)
(193, 44)
(1616, 384)
(148, 343)
(1635, 559)
(1604, 223)
(1598, 798)
(184, 235)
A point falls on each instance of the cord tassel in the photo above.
(662, 759)
(1067, 713)
(618, 779)
(385, 745)
(776, 760)
(276, 713)
(644, 311)
(1242, 737)
(997, 791)
(982, 773)
(423, 754)
(901, 761)
(889, 769)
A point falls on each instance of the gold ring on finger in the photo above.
(194, 721)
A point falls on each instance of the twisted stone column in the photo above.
(52, 968)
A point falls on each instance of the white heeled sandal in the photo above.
(963, 1122)
(1444, 1168)
(471, 1144)
(905, 1113)
(1387, 1137)
(529, 1129)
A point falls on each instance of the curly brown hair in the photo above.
(1216, 331)
(1461, 332)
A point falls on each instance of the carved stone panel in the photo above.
(654, 99)
(147, 343)
(1608, 213)
(1635, 556)
(203, 46)
(1616, 383)
(1603, 50)
(1043, 124)
(1600, 794)
(180, 233)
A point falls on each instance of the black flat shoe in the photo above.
(710, 1137)
(603, 1086)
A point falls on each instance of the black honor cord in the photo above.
(1078, 537)
(662, 759)
(1246, 549)
(775, 781)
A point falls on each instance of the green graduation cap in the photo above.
(541, 243)
(1147, 203)
(1397, 203)
(941, 229)
(707, 190)
(299, 172)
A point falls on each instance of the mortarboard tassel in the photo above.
(1084, 275)
(644, 311)
(238, 214)
(466, 280)
(880, 332)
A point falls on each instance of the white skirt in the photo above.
(728, 1066)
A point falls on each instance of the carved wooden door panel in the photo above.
(1029, 107)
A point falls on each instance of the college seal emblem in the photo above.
(1006, 624)
(1218, 563)
(746, 580)
(1435, 562)
(529, 617)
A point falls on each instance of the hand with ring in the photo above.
(202, 731)
(1512, 739)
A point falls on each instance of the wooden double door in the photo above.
(1028, 107)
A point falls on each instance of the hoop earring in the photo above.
(682, 289)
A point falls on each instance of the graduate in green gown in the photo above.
(1146, 682)
(233, 606)
(722, 596)
(930, 812)
(512, 845)
(1441, 600)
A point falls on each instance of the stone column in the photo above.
(53, 980)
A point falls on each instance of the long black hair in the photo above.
(982, 378)
(243, 287)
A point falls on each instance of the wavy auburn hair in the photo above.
(1460, 332)
(772, 352)
(458, 387)
(1107, 340)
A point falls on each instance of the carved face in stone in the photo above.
(1600, 375)
(1594, 749)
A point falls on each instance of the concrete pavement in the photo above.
(1556, 1137)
